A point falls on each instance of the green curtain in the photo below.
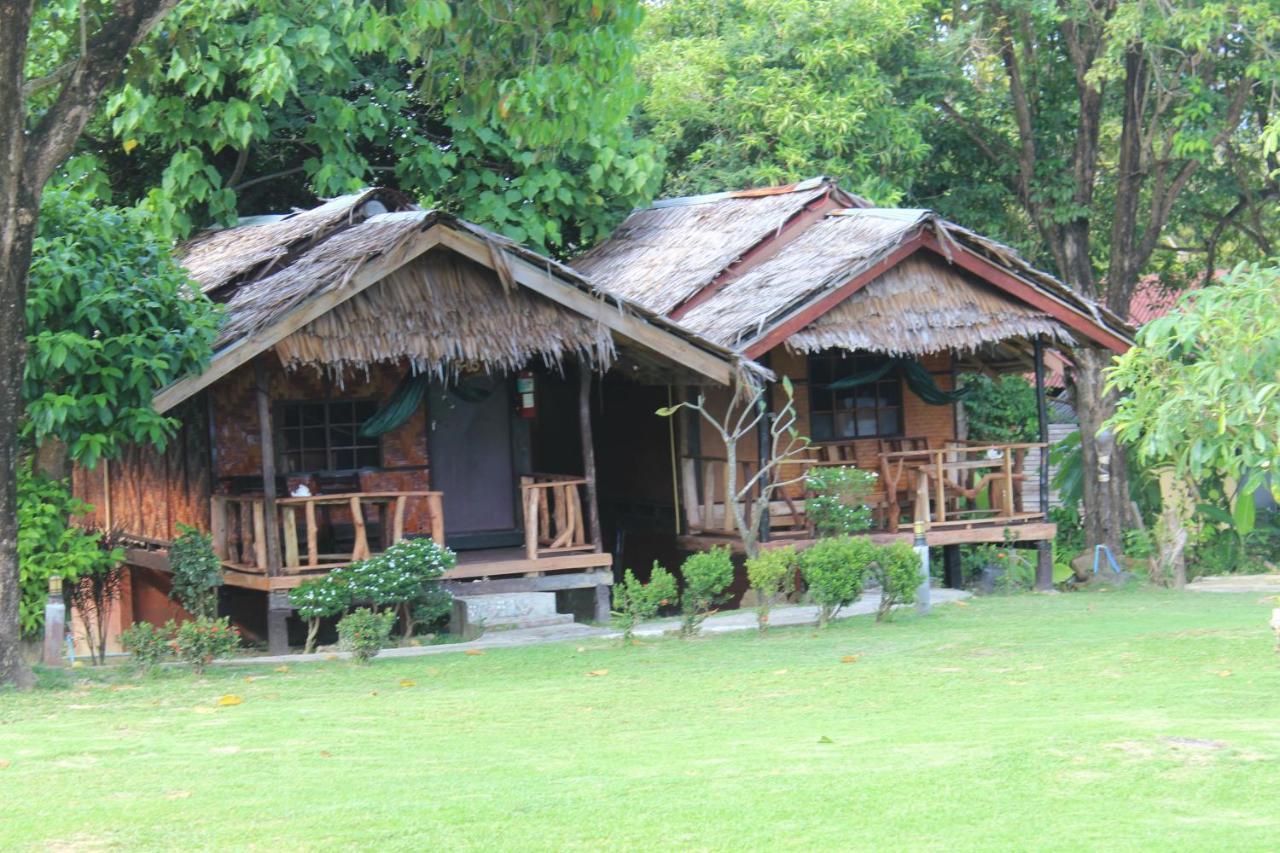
(919, 380)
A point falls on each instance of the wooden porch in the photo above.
(556, 531)
(964, 493)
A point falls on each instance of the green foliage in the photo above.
(771, 574)
(202, 640)
(364, 633)
(404, 578)
(1201, 390)
(146, 644)
(513, 115)
(49, 544)
(316, 598)
(834, 570)
(706, 575)
(1001, 411)
(111, 318)
(838, 506)
(197, 572)
(634, 602)
(757, 92)
(897, 568)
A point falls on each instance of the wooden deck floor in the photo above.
(1026, 531)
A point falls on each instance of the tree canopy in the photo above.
(514, 115)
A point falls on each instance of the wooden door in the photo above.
(473, 462)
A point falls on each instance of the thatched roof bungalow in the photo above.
(384, 371)
(871, 312)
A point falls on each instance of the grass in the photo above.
(1123, 720)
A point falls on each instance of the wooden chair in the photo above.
(896, 474)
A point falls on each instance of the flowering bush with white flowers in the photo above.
(839, 499)
(317, 598)
(405, 579)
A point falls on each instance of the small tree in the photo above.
(771, 574)
(405, 576)
(91, 596)
(706, 576)
(1199, 398)
(897, 568)
(634, 602)
(834, 569)
(197, 572)
(746, 410)
(316, 599)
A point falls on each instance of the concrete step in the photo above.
(473, 614)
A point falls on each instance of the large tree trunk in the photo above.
(15, 258)
(1105, 502)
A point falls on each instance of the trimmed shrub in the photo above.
(146, 644)
(834, 570)
(839, 504)
(316, 598)
(197, 572)
(200, 641)
(634, 602)
(402, 578)
(771, 574)
(706, 576)
(897, 568)
(364, 633)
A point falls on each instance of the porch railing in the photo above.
(962, 483)
(238, 527)
(555, 520)
(705, 485)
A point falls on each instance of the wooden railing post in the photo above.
(218, 526)
(531, 522)
(313, 536)
(361, 549)
(291, 559)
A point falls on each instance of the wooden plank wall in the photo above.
(153, 492)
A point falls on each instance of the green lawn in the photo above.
(1121, 719)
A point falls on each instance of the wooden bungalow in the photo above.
(872, 313)
(384, 371)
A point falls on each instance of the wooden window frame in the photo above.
(281, 430)
(858, 363)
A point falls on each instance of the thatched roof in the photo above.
(923, 306)
(664, 254)
(799, 289)
(427, 289)
(220, 257)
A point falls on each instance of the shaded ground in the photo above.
(1124, 720)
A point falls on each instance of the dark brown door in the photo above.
(472, 461)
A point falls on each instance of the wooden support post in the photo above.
(531, 522)
(291, 558)
(360, 551)
(397, 529)
(952, 568)
(1044, 563)
(589, 456)
(218, 526)
(277, 608)
(313, 536)
(603, 604)
(435, 505)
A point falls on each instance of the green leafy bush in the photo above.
(634, 602)
(404, 577)
(197, 572)
(771, 574)
(834, 570)
(706, 576)
(839, 502)
(897, 568)
(146, 644)
(201, 640)
(364, 633)
(317, 598)
(1001, 411)
(49, 544)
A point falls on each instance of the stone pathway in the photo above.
(1269, 584)
(719, 623)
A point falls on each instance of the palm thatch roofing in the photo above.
(357, 286)
(895, 281)
(664, 254)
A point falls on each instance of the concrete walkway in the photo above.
(1267, 584)
(719, 623)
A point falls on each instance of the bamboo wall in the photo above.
(151, 493)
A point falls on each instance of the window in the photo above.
(870, 410)
(325, 436)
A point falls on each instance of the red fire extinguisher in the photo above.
(526, 395)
